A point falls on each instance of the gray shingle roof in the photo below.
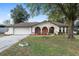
(29, 24)
(24, 24)
(59, 24)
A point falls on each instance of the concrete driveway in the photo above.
(8, 41)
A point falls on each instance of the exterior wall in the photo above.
(22, 31)
(63, 28)
(10, 30)
(48, 25)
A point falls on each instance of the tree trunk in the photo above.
(70, 29)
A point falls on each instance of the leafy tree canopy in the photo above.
(19, 14)
(48, 9)
(54, 12)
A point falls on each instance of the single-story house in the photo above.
(37, 28)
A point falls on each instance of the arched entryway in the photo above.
(51, 30)
(44, 30)
(37, 30)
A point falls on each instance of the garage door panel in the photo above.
(22, 31)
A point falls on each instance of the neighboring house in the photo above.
(38, 28)
(76, 30)
(3, 29)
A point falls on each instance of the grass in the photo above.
(45, 46)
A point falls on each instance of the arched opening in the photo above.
(37, 30)
(51, 30)
(44, 30)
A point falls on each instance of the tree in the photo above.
(70, 11)
(6, 22)
(19, 14)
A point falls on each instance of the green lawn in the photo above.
(45, 46)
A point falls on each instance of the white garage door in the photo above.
(22, 31)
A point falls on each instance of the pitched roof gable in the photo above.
(56, 23)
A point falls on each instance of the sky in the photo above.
(5, 9)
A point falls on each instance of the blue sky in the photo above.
(5, 13)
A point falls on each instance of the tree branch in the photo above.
(63, 9)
